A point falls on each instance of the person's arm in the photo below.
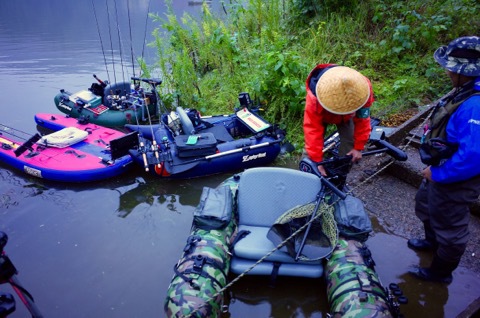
(464, 129)
(313, 130)
(362, 127)
(361, 131)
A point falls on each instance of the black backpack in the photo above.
(435, 147)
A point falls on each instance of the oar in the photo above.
(187, 165)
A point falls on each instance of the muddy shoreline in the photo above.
(391, 201)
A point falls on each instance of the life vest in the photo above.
(435, 147)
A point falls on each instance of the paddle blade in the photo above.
(27, 145)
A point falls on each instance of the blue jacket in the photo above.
(463, 128)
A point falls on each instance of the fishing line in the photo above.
(101, 41)
(119, 41)
(15, 133)
(145, 34)
(131, 40)
(5, 128)
(111, 43)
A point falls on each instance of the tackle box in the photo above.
(88, 98)
(196, 145)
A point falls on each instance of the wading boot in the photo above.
(429, 243)
(439, 271)
(421, 245)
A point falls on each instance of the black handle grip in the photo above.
(309, 166)
(393, 151)
(151, 81)
(99, 80)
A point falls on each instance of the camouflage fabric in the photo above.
(461, 56)
(353, 287)
(201, 272)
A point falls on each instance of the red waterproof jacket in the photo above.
(316, 119)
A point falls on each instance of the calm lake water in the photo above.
(108, 249)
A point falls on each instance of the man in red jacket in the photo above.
(340, 96)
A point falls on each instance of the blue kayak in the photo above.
(187, 145)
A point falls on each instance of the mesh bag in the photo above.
(322, 236)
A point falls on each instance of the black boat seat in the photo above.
(220, 132)
(264, 194)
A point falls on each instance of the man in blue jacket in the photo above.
(452, 183)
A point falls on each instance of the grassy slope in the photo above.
(267, 48)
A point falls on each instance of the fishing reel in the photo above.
(395, 299)
(115, 101)
(337, 169)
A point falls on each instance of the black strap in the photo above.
(240, 235)
(274, 274)
(191, 244)
(198, 262)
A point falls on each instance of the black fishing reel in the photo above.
(395, 299)
(336, 168)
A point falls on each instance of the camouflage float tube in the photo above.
(202, 270)
(353, 287)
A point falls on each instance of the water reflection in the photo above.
(149, 192)
(14, 190)
(290, 297)
(141, 196)
(426, 299)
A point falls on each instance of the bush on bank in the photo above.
(267, 48)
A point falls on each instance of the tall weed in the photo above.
(267, 48)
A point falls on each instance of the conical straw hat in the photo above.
(342, 90)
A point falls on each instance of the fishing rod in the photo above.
(13, 144)
(119, 40)
(12, 131)
(102, 83)
(27, 144)
(131, 41)
(101, 41)
(145, 32)
(308, 165)
(111, 42)
(141, 140)
(229, 152)
(154, 141)
(154, 82)
(20, 148)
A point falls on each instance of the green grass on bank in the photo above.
(267, 48)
